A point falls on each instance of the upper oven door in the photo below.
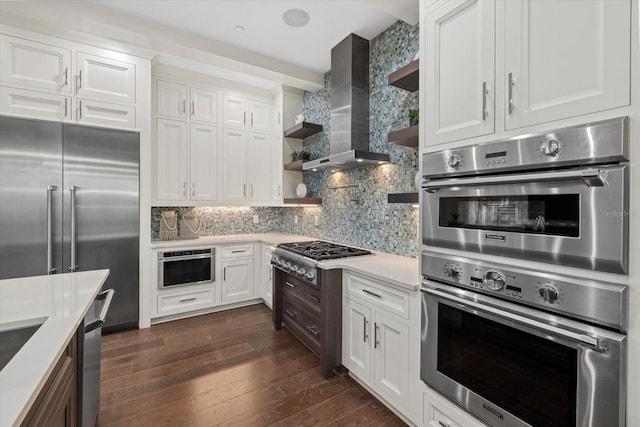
(515, 366)
(575, 217)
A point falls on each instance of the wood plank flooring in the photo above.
(227, 368)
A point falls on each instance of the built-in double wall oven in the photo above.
(186, 267)
(519, 345)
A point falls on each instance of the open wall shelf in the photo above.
(402, 198)
(406, 77)
(302, 130)
(303, 201)
(407, 137)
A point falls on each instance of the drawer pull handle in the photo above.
(290, 284)
(313, 298)
(188, 299)
(365, 335)
(313, 330)
(366, 291)
(238, 251)
(444, 424)
(376, 343)
(290, 313)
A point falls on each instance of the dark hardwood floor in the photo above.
(227, 368)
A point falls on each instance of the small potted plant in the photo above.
(304, 155)
(295, 156)
(414, 117)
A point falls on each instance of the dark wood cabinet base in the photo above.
(312, 314)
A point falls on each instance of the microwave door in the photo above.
(575, 218)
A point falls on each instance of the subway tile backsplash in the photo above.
(357, 214)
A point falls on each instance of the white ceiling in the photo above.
(265, 33)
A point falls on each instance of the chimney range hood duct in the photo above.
(349, 120)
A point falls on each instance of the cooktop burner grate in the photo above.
(319, 250)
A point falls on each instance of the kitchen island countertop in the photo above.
(59, 302)
(397, 270)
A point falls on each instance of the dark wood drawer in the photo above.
(308, 295)
(302, 324)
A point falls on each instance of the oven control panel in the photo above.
(567, 295)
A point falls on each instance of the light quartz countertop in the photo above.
(396, 270)
(60, 302)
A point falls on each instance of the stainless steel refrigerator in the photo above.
(69, 201)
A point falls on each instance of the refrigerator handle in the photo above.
(50, 190)
(73, 267)
(107, 296)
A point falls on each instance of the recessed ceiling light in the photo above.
(240, 28)
(295, 18)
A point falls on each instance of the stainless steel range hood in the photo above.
(349, 122)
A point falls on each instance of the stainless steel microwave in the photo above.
(186, 267)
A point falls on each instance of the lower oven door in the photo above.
(576, 217)
(514, 366)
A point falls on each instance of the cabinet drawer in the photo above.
(106, 114)
(28, 103)
(185, 301)
(304, 326)
(392, 300)
(438, 419)
(237, 251)
(306, 295)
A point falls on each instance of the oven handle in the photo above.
(591, 177)
(594, 342)
(183, 258)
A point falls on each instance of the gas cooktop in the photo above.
(320, 251)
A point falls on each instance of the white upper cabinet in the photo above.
(460, 77)
(44, 77)
(171, 99)
(259, 167)
(105, 79)
(203, 147)
(565, 58)
(234, 110)
(171, 160)
(492, 67)
(204, 105)
(259, 115)
(34, 64)
(234, 165)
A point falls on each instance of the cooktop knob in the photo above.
(310, 275)
(550, 148)
(549, 293)
(493, 280)
(454, 161)
(301, 271)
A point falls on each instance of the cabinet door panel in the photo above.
(234, 165)
(237, 280)
(105, 79)
(391, 359)
(357, 341)
(34, 64)
(106, 114)
(171, 160)
(28, 103)
(461, 37)
(259, 115)
(234, 110)
(258, 167)
(204, 105)
(171, 99)
(566, 58)
(204, 155)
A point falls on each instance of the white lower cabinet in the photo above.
(439, 412)
(376, 341)
(187, 300)
(267, 275)
(237, 273)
